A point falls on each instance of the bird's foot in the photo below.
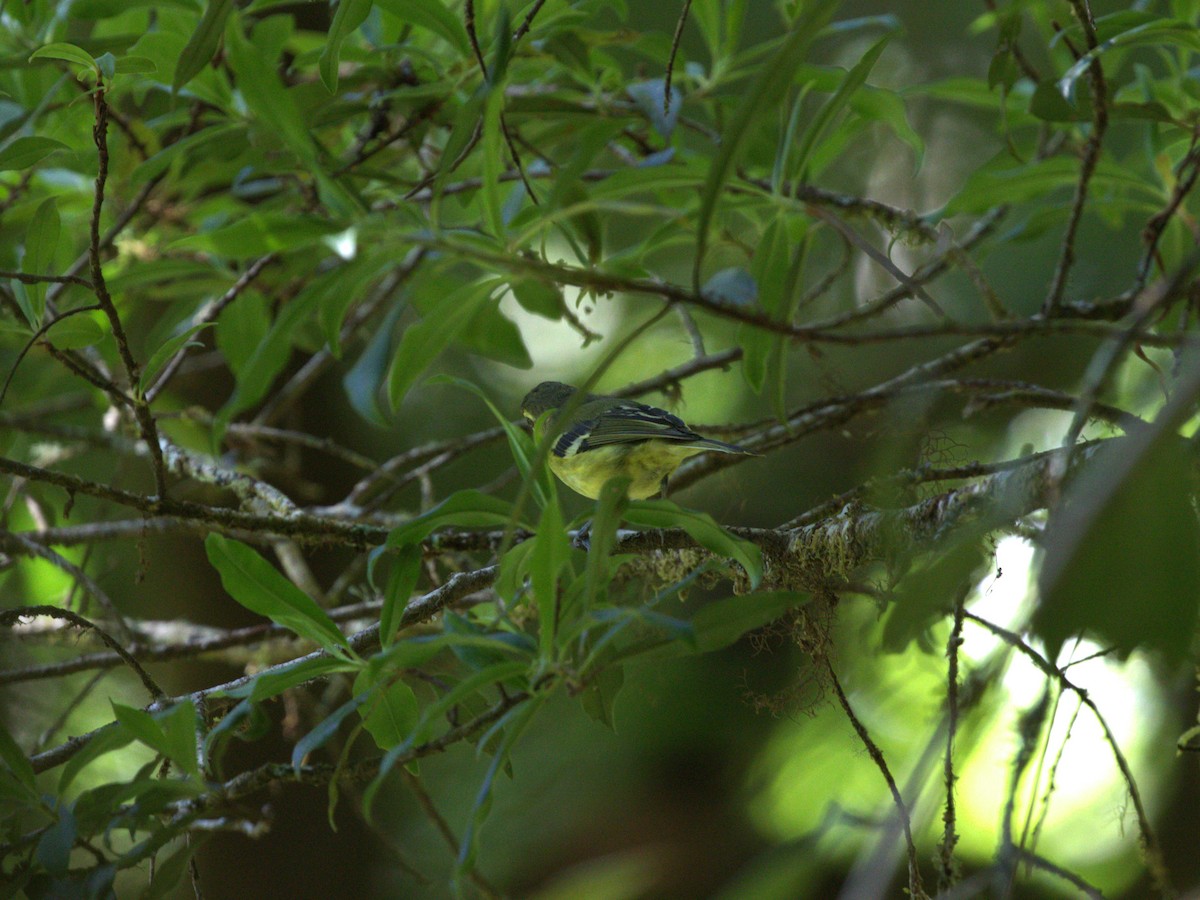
(583, 537)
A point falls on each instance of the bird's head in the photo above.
(546, 396)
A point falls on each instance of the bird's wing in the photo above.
(626, 423)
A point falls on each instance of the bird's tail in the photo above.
(722, 447)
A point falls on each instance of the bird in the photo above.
(605, 437)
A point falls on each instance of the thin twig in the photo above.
(14, 542)
(9, 616)
(675, 40)
(26, 278)
(525, 25)
(443, 828)
(1154, 856)
(37, 336)
(915, 887)
(141, 409)
(947, 867)
(1087, 168)
(208, 313)
(469, 25)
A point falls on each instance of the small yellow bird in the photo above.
(606, 436)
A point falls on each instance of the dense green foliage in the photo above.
(273, 278)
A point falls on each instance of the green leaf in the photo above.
(510, 726)
(854, 79)
(164, 353)
(392, 712)
(342, 287)
(435, 712)
(1000, 182)
(179, 728)
(170, 732)
(539, 297)
(246, 721)
(462, 509)
(241, 327)
(203, 43)
(610, 508)
(53, 849)
(350, 14)
(327, 728)
(68, 52)
(16, 762)
(519, 442)
(276, 110)
(277, 679)
(494, 157)
(1123, 552)
(365, 378)
(259, 234)
(462, 133)
(72, 332)
(27, 151)
(169, 872)
(597, 698)
(927, 596)
(258, 586)
(1049, 105)
(136, 65)
(551, 553)
(423, 342)
(406, 569)
(772, 80)
(110, 738)
(1131, 29)
(161, 161)
(95, 807)
(493, 335)
(432, 15)
(480, 647)
(776, 271)
(268, 359)
(514, 569)
(41, 241)
(702, 528)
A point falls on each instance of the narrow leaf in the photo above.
(27, 151)
(610, 507)
(423, 342)
(702, 528)
(203, 43)
(432, 15)
(406, 569)
(68, 52)
(392, 712)
(854, 79)
(464, 509)
(327, 728)
(767, 87)
(550, 554)
(350, 14)
(15, 760)
(520, 443)
(41, 241)
(258, 586)
(164, 353)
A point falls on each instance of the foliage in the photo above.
(240, 239)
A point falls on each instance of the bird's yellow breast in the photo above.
(646, 464)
